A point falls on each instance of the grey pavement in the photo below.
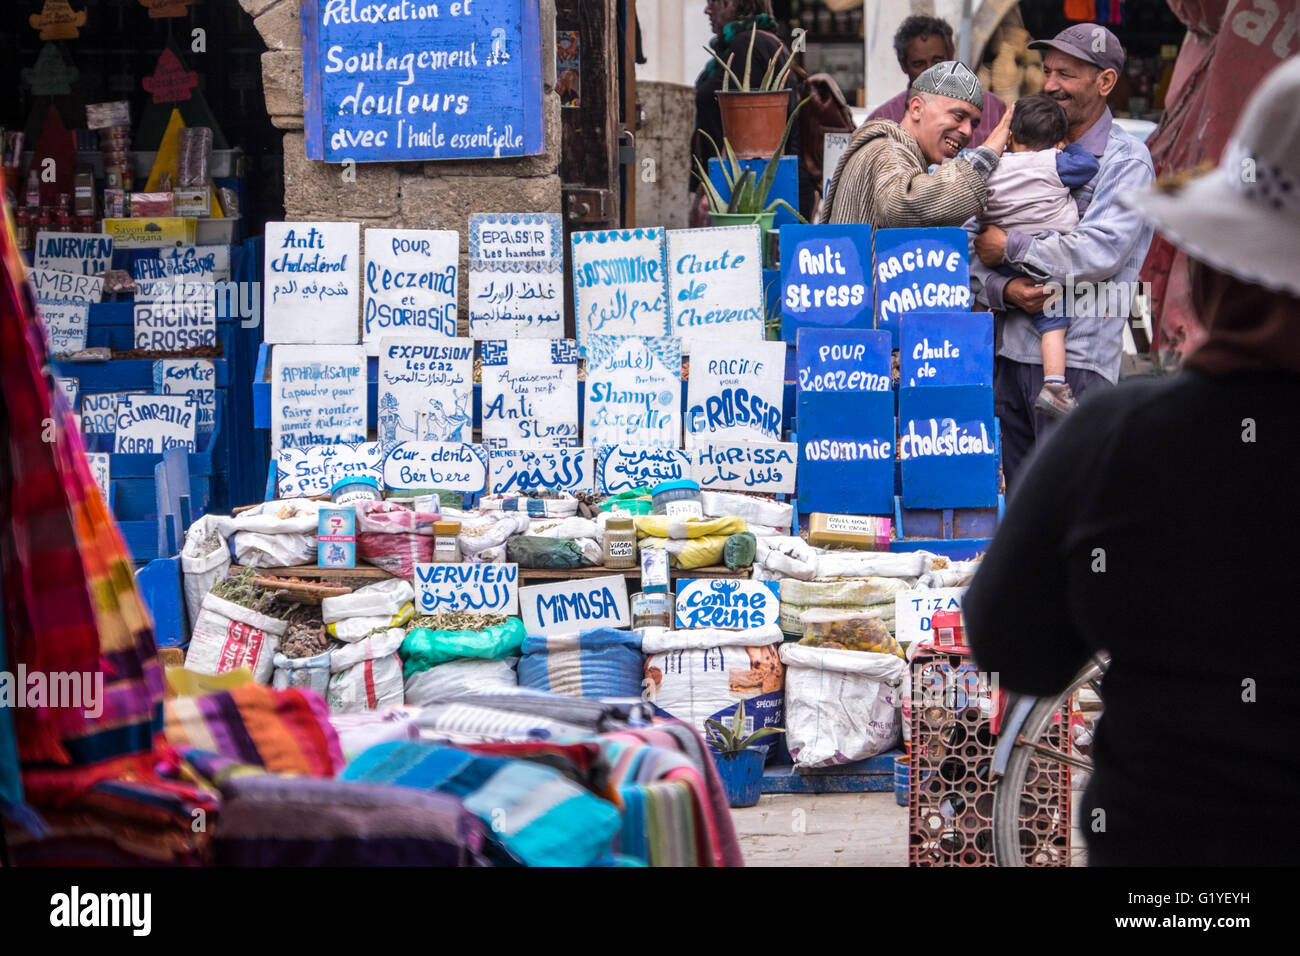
(823, 829)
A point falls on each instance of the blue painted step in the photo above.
(873, 775)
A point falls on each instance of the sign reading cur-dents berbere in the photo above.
(412, 80)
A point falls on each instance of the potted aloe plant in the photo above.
(747, 200)
(739, 762)
(752, 117)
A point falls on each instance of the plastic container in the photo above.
(678, 499)
(446, 542)
(336, 538)
(847, 630)
(741, 772)
(653, 609)
(902, 767)
(619, 543)
(348, 491)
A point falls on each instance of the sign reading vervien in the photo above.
(572, 606)
(634, 391)
(920, 270)
(312, 283)
(480, 588)
(435, 466)
(715, 284)
(530, 392)
(763, 467)
(948, 447)
(412, 80)
(725, 602)
(519, 471)
(825, 277)
(196, 378)
(947, 348)
(622, 468)
(88, 254)
(151, 424)
(318, 395)
(410, 284)
(65, 324)
(426, 389)
(516, 276)
(736, 392)
(304, 472)
(620, 284)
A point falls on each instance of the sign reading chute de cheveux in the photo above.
(417, 80)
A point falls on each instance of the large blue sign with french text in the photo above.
(947, 348)
(948, 445)
(920, 270)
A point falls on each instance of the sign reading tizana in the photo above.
(416, 80)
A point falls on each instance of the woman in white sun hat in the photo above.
(1157, 524)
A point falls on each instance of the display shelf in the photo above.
(525, 574)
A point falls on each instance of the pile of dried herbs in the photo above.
(239, 588)
(457, 621)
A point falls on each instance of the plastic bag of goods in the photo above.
(461, 678)
(841, 593)
(840, 706)
(304, 673)
(373, 600)
(792, 626)
(277, 534)
(205, 559)
(228, 636)
(603, 662)
(562, 506)
(353, 629)
(394, 538)
(554, 554)
(868, 564)
(840, 629)
(754, 511)
(424, 648)
(367, 675)
(703, 673)
(480, 538)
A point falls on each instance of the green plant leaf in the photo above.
(729, 175)
(766, 85)
(769, 174)
(716, 202)
(738, 722)
(759, 735)
(742, 197)
(785, 71)
(749, 56)
(779, 203)
(726, 65)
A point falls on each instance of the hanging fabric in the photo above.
(1081, 10)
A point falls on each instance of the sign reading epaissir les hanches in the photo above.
(151, 424)
(196, 378)
(303, 472)
(426, 389)
(415, 80)
(572, 606)
(516, 276)
(633, 391)
(429, 466)
(620, 284)
(530, 392)
(715, 284)
(312, 282)
(318, 395)
(410, 284)
(766, 467)
(481, 588)
(625, 467)
(525, 470)
(736, 392)
(66, 324)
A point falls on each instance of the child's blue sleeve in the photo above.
(1076, 166)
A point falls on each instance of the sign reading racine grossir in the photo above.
(417, 80)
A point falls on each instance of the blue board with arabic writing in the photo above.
(948, 446)
(825, 277)
(920, 270)
(415, 80)
(947, 348)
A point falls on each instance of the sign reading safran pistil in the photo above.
(413, 80)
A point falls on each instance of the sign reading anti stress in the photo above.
(825, 278)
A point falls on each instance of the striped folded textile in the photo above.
(535, 812)
(285, 731)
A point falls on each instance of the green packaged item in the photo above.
(739, 550)
(551, 554)
(424, 648)
(634, 502)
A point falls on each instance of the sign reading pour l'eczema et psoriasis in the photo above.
(415, 80)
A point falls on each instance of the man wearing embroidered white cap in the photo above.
(1143, 528)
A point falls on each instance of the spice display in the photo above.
(457, 621)
(848, 631)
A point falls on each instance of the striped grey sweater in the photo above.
(881, 179)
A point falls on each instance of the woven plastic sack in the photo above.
(843, 593)
(367, 675)
(552, 554)
(688, 553)
(228, 636)
(775, 514)
(603, 662)
(304, 673)
(373, 600)
(480, 538)
(277, 534)
(460, 678)
(790, 613)
(353, 629)
(202, 570)
(424, 648)
(394, 538)
(840, 706)
(739, 551)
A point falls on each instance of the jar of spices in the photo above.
(446, 543)
(349, 491)
(63, 220)
(678, 499)
(620, 542)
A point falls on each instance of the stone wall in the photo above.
(400, 195)
(665, 137)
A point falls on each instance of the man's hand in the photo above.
(1023, 293)
(991, 246)
(997, 139)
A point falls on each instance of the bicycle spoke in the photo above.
(1079, 763)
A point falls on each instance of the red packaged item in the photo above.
(153, 205)
(393, 537)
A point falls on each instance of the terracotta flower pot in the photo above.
(754, 122)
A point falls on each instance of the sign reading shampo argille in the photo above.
(418, 80)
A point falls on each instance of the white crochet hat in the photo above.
(951, 79)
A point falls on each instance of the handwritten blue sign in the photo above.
(766, 467)
(948, 446)
(530, 392)
(715, 281)
(413, 80)
(193, 263)
(196, 378)
(920, 270)
(429, 465)
(516, 276)
(411, 282)
(634, 391)
(719, 602)
(846, 452)
(826, 276)
(736, 392)
(572, 606)
(528, 470)
(314, 470)
(622, 468)
(481, 588)
(833, 360)
(944, 348)
(620, 283)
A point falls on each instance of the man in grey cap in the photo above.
(1096, 266)
(882, 178)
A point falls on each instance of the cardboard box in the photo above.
(150, 233)
(153, 205)
(864, 532)
(193, 203)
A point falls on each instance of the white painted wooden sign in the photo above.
(81, 253)
(426, 390)
(734, 603)
(52, 285)
(577, 605)
(411, 278)
(318, 395)
(151, 424)
(516, 276)
(715, 284)
(634, 391)
(481, 588)
(443, 466)
(913, 609)
(312, 282)
(620, 284)
(196, 378)
(530, 392)
(65, 324)
(735, 393)
(99, 467)
(766, 467)
(191, 263)
(175, 316)
(518, 471)
(303, 472)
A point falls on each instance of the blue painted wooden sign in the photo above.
(846, 452)
(785, 185)
(947, 348)
(621, 468)
(947, 443)
(412, 80)
(920, 270)
(843, 361)
(825, 277)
